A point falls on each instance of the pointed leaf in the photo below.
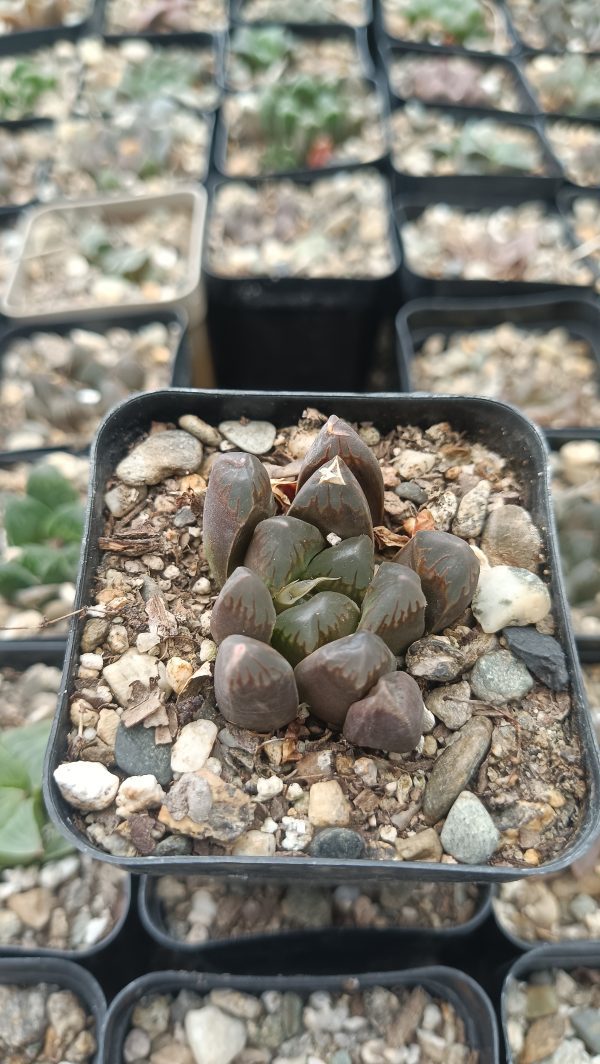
(394, 607)
(304, 628)
(351, 561)
(341, 672)
(65, 523)
(27, 745)
(244, 607)
(238, 497)
(281, 548)
(49, 487)
(299, 589)
(24, 521)
(333, 500)
(390, 717)
(20, 837)
(254, 685)
(13, 773)
(337, 438)
(14, 577)
(449, 572)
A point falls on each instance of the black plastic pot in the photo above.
(496, 425)
(420, 319)
(227, 951)
(19, 656)
(418, 286)
(568, 956)
(522, 185)
(463, 993)
(181, 370)
(31, 971)
(41, 38)
(527, 104)
(330, 324)
(237, 18)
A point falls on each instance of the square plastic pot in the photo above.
(237, 17)
(100, 26)
(494, 424)
(463, 993)
(330, 324)
(385, 39)
(119, 210)
(31, 971)
(568, 956)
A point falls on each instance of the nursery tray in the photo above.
(330, 324)
(232, 953)
(567, 956)
(31, 971)
(463, 993)
(181, 368)
(497, 425)
(416, 285)
(385, 39)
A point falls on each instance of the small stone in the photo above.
(255, 437)
(214, 1037)
(542, 1038)
(455, 767)
(136, 753)
(443, 510)
(203, 805)
(91, 661)
(193, 747)
(435, 657)
(130, 667)
(179, 672)
(86, 785)
(366, 769)
(424, 846)
(586, 1024)
(172, 1053)
(469, 833)
(580, 460)
(337, 844)
(472, 511)
(268, 788)
(542, 1000)
(207, 434)
(117, 639)
(137, 1045)
(451, 704)
(161, 455)
(510, 538)
(254, 844)
(94, 633)
(66, 1016)
(138, 793)
(509, 596)
(389, 718)
(173, 846)
(499, 677)
(33, 907)
(412, 493)
(121, 500)
(22, 1021)
(236, 1003)
(152, 1015)
(542, 654)
(327, 805)
(583, 905)
(411, 464)
(107, 725)
(146, 643)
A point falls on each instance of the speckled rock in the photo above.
(500, 677)
(455, 767)
(159, 456)
(511, 538)
(507, 596)
(469, 833)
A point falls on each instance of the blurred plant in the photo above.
(45, 526)
(166, 72)
(260, 48)
(459, 21)
(303, 582)
(478, 146)
(20, 91)
(303, 120)
(572, 85)
(26, 834)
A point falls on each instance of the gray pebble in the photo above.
(455, 767)
(337, 843)
(137, 754)
(499, 677)
(542, 654)
(412, 492)
(511, 538)
(159, 456)
(469, 833)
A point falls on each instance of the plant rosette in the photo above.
(319, 12)
(56, 387)
(454, 79)
(426, 142)
(265, 55)
(136, 71)
(38, 84)
(523, 243)
(576, 496)
(566, 84)
(42, 527)
(51, 897)
(577, 148)
(473, 25)
(23, 15)
(306, 123)
(566, 25)
(300, 652)
(166, 16)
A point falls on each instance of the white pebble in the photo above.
(138, 793)
(86, 785)
(194, 745)
(507, 595)
(268, 788)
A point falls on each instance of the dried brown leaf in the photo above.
(384, 537)
(160, 621)
(143, 702)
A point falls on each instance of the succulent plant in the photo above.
(303, 119)
(261, 46)
(459, 22)
(304, 583)
(22, 89)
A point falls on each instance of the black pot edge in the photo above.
(448, 983)
(150, 916)
(563, 955)
(20, 656)
(27, 40)
(234, 403)
(30, 971)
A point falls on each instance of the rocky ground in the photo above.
(562, 84)
(551, 376)
(342, 1028)
(454, 79)
(200, 909)
(524, 243)
(44, 1023)
(490, 34)
(332, 56)
(576, 494)
(349, 12)
(577, 148)
(502, 787)
(565, 27)
(553, 1017)
(198, 16)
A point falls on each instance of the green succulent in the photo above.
(259, 48)
(459, 21)
(293, 115)
(26, 834)
(46, 525)
(573, 87)
(166, 72)
(21, 90)
(302, 614)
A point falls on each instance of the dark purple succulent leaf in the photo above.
(281, 548)
(390, 717)
(244, 607)
(293, 593)
(302, 629)
(333, 500)
(351, 561)
(394, 607)
(338, 438)
(449, 571)
(336, 675)
(254, 685)
(239, 495)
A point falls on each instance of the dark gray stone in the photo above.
(137, 754)
(337, 843)
(542, 654)
(586, 1023)
(412, 492)
(455, 767)
(173, 846)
